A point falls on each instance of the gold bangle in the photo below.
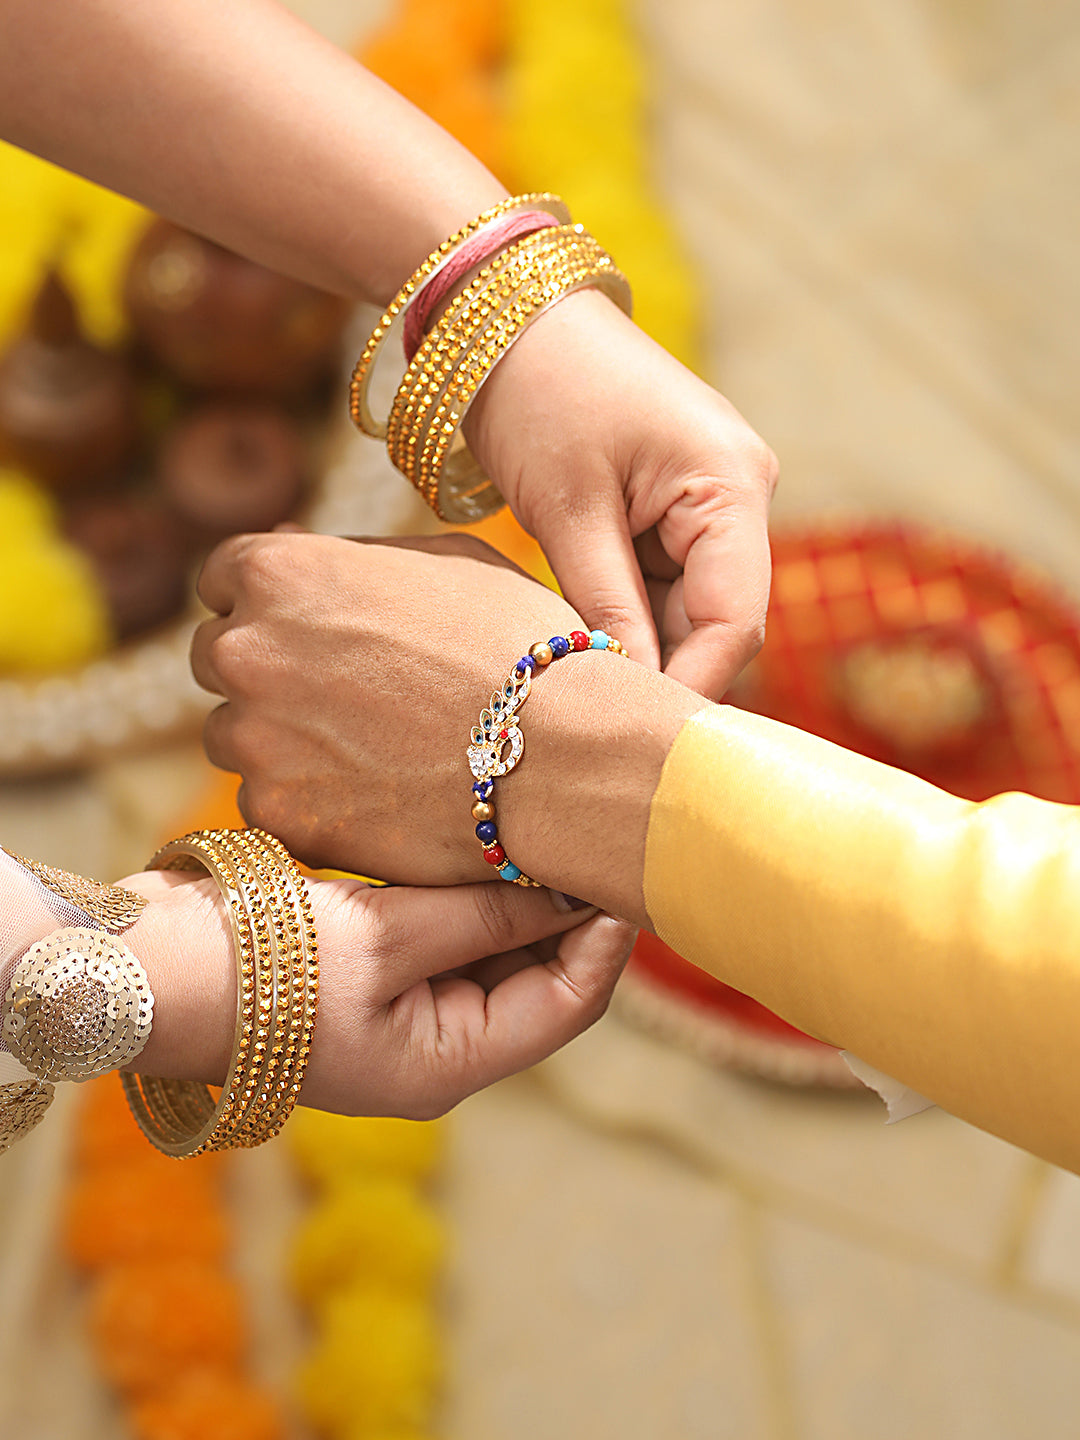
(487, 295)
(359, 407)
(276, 952)
(444, 471)
(296, 983)
(540, 279)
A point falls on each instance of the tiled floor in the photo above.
(883, 202)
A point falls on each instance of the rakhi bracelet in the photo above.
(359, 405)
(497, 743)
(276, 951)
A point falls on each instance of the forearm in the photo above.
(937, 939)
(243, 124)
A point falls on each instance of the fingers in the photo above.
(202, 653)
(218, 583)
(598, 572)
(415, 933)
(467, 546)
(725, 589)
(535, 1010)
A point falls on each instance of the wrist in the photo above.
(184, 942)
(575, 813)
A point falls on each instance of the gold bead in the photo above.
(483, 811)
(541, 652)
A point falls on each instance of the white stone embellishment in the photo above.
(493, 752)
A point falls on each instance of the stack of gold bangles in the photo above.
(277, 999)
(515, 284)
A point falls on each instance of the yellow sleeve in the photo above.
(937, 939)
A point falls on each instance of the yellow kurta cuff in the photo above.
(937, 939)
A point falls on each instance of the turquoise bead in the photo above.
(598, 640)
(509, 872)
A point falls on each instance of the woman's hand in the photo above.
(353, 674)
(648, 492)
(424, 996)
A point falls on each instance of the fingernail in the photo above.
(565, 903)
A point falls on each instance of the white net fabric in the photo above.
(29, 911)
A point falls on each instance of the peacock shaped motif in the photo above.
(497, 741)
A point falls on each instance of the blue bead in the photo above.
(486, 831)
(482, 789)
(525, 663)
(598, 640)
(509, 872)
(560, 646)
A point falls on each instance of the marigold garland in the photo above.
(577, 102)
(165, 1319)
(366, 1260)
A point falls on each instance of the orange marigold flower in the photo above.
(142, 1210)
(106, 1132)
(151, 1322)
(208, 1405)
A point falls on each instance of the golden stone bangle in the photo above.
(276, 952)
(487, 297)
(296, 979)
(454, 484)
(465, 493)
(437, 356)
(359, 406)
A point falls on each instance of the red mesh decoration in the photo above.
(983, 657)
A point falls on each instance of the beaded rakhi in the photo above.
(497, 743)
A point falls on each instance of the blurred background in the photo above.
(858, 219)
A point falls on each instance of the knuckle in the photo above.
(753, 638)
(262, 559)
(230, 654)
(495, 904)
(217, 736)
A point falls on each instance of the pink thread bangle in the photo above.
(430, 299)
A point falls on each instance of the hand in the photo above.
(648, 492)
(424, 996)
(353, 674)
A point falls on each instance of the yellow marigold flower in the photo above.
(329, 1146)
(52, 610)
(375, 1365)
(376, 1231)
(50, 217)
(364, 1432)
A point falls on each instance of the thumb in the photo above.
(598, 572)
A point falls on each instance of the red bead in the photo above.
(579, 639)
(494, 854)
(503, 734)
